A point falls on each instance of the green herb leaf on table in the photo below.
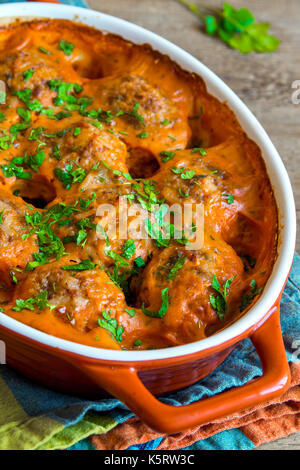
(235, 27)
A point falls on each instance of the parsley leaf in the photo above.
(229, 198)
(219, 302)
(134, 113)
(128, 249)
(248, 297)
(84, 265)
(167, 155)
(66, 46)
(139, 262)
(27, 74)
(69, 176)
(26, 96)
(111, 325)
(164, 306)
(176, 267)
(39, 301)
(44, 51)
(237, 28)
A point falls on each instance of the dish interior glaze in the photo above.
(94, 129)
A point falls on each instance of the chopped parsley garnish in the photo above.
(164, 306)
(139, 262)
(167, 155)
(182, 194)
(229, 198)
(130, 311)
(44, 51)
(163, 232)
(111, 325)
(200, 150)
(62, 115)
(97, 124)
(143, 135)
(219, 302)
(184, 174)
(64, 90)
(14, 279)
(128, 249)
(15, 168)
(27, 74)
(248, 297)
(2, 96)
(49, 243)
(116, 257)
(39, 301)
(66, 46)
(56, 152)
(2, 117)
(176, 267)
(76, 131)
(134, 113)
(1, 217)
(16, 165)
(26, 96)
(35, 161)
(85, 203)
(84, 265)
(70, 175)
(5, 142)
(165, 122)
(137, 342)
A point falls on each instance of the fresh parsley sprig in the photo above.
(237, 28)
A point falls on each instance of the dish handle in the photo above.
(123, 382)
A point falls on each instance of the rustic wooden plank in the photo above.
(263, 81)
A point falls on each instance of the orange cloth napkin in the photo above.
(267, 422)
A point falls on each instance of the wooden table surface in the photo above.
(263, 81)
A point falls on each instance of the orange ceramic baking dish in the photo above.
(136, 378)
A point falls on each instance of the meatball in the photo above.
(15, 251)
(82, 156)
(33, 68)
(147, 117)
(191, 178)
(188, 274)
(73, 296)
(96, 225)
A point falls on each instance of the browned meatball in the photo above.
(96, 225)
(188, 274)
(34, 68)
(73, 296)
(15, 251)
(146, 117)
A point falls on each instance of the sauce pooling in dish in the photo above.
(91, 120)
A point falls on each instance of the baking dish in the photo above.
(136, 378)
